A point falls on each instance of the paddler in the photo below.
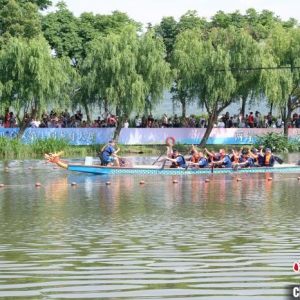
(109, 154)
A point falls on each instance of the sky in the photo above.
(152, 11)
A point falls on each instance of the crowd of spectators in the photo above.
(59, 120)
(66, 120)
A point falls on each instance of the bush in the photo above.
(276, 142)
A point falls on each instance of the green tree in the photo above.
(207, 66)
(19, 20)
(125, 69)
(41, 4)
(282, 84)
(70, 36)
(61, 29)
(168, 30)
(31, 79)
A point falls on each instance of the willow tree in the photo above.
(283, 81)
(207, 66)
(126, 69)
(31, 78)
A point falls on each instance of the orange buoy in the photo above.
(30, 168)
(238, 179)
(38, 184)
(298, 178)
(207, 180)
(175, 181)
(6, 169)
(270, 178)
(73, 183)
(1, 185)
(142, 182)
(107, 183)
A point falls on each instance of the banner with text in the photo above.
(138, 136)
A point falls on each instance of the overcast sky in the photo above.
(152, 11)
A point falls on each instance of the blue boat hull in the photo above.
(96, 169)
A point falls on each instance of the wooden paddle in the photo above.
(278, 159)
(159, 157)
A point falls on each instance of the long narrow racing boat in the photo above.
(127, 168)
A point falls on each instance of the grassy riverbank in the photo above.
(13, 148)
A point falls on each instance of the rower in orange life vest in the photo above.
(245, 161)
(202, 161)
(235, 155)
(269, 158)
(257, 157)
(221, 159)
(195, 155)
(177, 160)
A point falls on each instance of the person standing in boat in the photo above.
(220, 160)
(269, 158)
(109, 155)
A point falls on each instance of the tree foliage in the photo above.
(282, 85)
(41, 4)
(19, 20)
(206, 67)
(31, 79)
(125, 69)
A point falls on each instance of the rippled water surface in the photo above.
(225, 239)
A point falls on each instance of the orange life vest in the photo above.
(195, 159)
(267, 159)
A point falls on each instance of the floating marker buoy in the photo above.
(207, 180)
(142, 182)
(73, 183)
(37, 184)
(298, 178)
(238, 179)
(270, 178)
(108, 183)
(55, 168)
(6, 169)
(1, 185)
(30, 168)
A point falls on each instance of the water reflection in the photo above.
(175, 237)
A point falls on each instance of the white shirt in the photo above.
(221, 124)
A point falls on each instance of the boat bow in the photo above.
(55, 159)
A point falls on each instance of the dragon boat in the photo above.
(126, 167)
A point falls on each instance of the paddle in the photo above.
(159, 156)
(278, 159)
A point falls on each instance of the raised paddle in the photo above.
(278, 159)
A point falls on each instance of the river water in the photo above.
(223, 239)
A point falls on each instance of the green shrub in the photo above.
(276, 142)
